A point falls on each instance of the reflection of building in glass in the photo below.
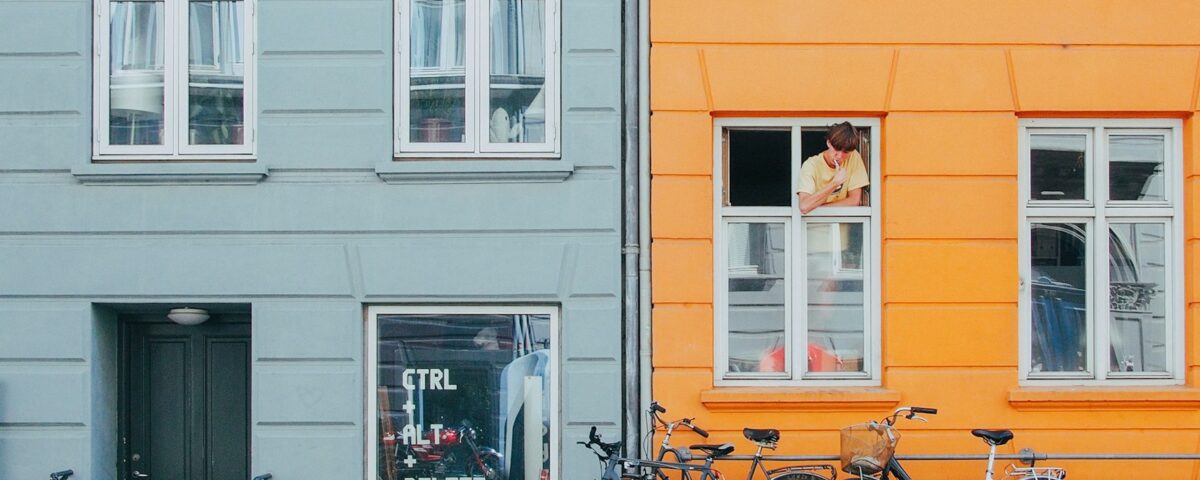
(1136, 291)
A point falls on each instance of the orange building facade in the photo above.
(1033, 168)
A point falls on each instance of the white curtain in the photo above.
(137, 31)
(438, 36)
(518, 37)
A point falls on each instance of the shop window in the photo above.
(1101, 251)
(796, 295)
(462, 392)
(476, 77)
(174, 79)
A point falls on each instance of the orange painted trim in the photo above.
(790, 399)
(1110, 398)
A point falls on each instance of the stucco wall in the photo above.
(950, 81)
(308, 247)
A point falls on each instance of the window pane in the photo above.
(437, 75)
(836, 303)
(1135, 169)
(216, 73)
(757, 297)
(454, 387)
(1058, 256)
(517, 112)
(759, 168)
(1138, 297)
(1057, 164)
(136, 47)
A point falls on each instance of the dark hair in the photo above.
(843, 137)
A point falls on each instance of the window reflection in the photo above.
(1135, 169)
(757, 293)
(836, 304)
(216, 73)
(1059, 297)
(437, 83)
(517, 112)
(136, 49)
(1138, 297)
(1058, 167)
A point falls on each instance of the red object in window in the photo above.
(819, 360)
(772, 360)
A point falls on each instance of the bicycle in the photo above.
(995, 438)
(769, 438)
(868, 450)
(763, 438)
(616, 467)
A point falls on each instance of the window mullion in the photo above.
(481, 119)
(100, 115)
(476, 15)
(177, 34)
(798, 309)
(1098, 319)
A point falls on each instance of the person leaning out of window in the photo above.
(837, 175)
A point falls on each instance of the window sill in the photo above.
(1104, 398)
(790, 399)
(215, 173)
(474, 171)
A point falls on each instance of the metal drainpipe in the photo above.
(630, 231)
(644, 208)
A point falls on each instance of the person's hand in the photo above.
(840, 176)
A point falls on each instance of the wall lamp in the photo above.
(188, 316)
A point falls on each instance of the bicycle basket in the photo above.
(867, 447)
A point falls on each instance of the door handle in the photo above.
(137, 474)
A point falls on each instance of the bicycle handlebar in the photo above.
(61, 475)
(925, 410)
(698, 430)
(655, 407)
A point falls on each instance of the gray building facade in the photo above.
(365, 229)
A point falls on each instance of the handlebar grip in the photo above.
(592, 437)
(925, 410)
(654, 406)
(700, 431)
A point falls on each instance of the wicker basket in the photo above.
(867, 447)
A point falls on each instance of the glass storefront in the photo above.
(463, 395)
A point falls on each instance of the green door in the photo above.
(187, 391)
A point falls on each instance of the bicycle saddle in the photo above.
(714, 450)
(768, 435)
(993, 437)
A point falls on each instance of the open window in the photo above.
(796, 296)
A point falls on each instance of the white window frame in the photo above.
(371, 372)
(477, 66)
(175, 91)
(1097, 212)
(796, 289)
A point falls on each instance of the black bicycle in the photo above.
(763, 438)
(617, 467)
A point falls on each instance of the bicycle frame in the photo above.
(613, 462)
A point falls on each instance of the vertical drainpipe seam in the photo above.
(630, 231)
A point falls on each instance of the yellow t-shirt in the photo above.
(815, 174)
